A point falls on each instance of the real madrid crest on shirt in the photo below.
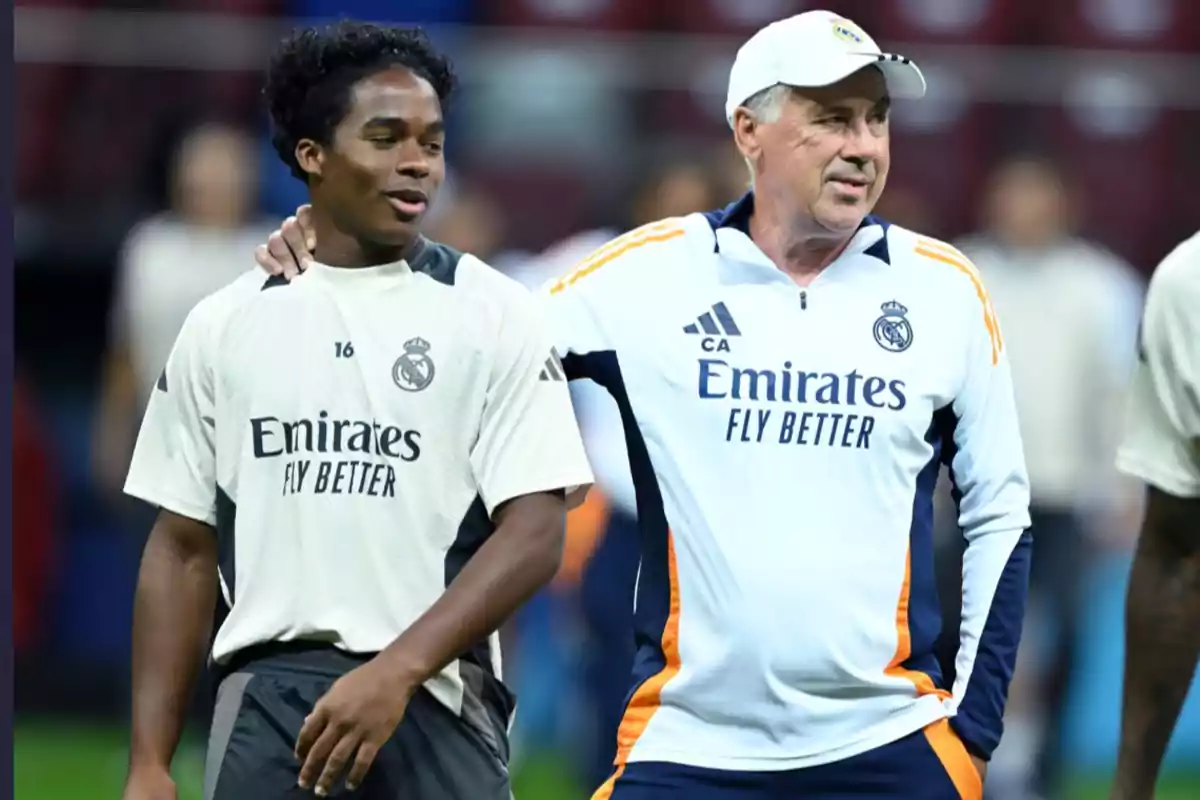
(414, 371)
(892, 330)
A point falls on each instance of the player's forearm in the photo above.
(521, 556)
(995, 586)
(172, 622)
(1162, 644)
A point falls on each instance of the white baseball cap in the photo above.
(816, 48)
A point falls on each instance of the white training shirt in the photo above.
(785, 444)
(349, 435)
(168, 265)
(1162, 441)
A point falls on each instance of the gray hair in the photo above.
(766, 107)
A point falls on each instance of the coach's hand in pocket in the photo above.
(349, 724)
(289, 249)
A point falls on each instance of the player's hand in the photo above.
(289, 250)
(349, 724)
(149, 784)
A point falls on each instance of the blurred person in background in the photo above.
(907, 206)
(841, 695)
(1161, 448)
(728, 169)
(168, 263)
(1071, 309)
(34, 534)
(468, 218)
(673, 186)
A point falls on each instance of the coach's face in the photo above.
(827, 155)
(385, 164)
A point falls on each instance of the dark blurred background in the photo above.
(1057, 147)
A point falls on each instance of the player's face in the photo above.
(829, 151)
(385, 164)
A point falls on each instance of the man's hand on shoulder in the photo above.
(289, 250)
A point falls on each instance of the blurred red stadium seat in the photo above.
(1126, 24)
(42, 90)
(949, 21)
(1124, 162)
(946, 164)
(622, 15)
(1145, 24)
(724, 17)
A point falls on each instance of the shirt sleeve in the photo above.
(1161, 444)
(573, 311)
(570, 314)
(987, 466)
(174, 460)
(528, 440)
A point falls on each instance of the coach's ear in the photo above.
(746, 133)
(310, 156)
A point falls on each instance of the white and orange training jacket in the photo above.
(785, 443)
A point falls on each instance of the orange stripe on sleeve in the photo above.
(941, 254)
(955, 760)
(611, 251)
(963, 261)
(648, 697)
(637, 233)
(923, 683)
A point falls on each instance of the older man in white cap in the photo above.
(792, 372)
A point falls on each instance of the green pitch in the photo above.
(57, 761)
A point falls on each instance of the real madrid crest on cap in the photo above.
(413, 371)
(892, 330)
(846, 30)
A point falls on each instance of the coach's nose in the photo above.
(863, 145)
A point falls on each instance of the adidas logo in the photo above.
(552, 370)
(715, 325)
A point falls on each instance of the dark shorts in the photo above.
(434, 754)
(931, 764)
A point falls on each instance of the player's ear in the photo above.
(310, 156)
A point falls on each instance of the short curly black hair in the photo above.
(312, 70)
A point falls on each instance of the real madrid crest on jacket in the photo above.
(892, 330)
(400, 405)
